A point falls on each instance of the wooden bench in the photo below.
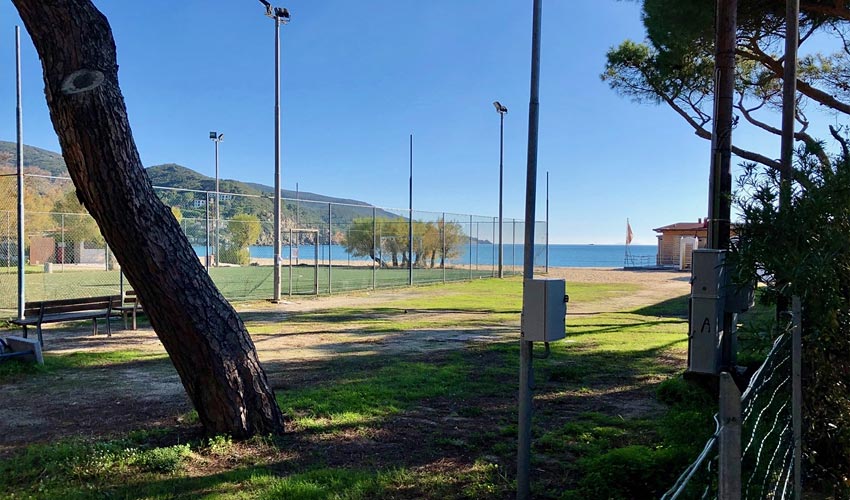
(56, 311)
(130, 307)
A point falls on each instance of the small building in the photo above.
(677, 242)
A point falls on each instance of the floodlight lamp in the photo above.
(213, 135)
(220, 137)
(499, 108)
(282, 14)
(268, 7)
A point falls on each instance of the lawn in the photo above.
(612, 417)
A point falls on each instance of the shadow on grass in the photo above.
(672, 308)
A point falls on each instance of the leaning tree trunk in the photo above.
(205, 338)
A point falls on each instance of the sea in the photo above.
(484, 254)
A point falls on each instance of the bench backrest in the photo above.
(130, 297)
(71, 305)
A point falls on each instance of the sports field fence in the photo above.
(327, 247)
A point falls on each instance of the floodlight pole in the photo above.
(526, 371)
(502, 112)
(216, 138)
(280, 16)
(410, 222)
(20, 151)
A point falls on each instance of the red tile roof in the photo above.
(682, 226)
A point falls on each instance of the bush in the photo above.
(804, 250)
(233, 255)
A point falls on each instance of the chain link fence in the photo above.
(767, 438)
(326, 247)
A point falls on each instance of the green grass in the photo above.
(461, 403)
(11, 369)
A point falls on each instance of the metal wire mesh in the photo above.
(767, 439)
(327, 247)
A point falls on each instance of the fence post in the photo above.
(330, 245)
(513, 247)
(493, 247)
(64, 249)
(443, 256)
(374, 244)
(730, 439)
(316, 262)
(207, 227)
(470, 248)
(797, 392)
(290, 262)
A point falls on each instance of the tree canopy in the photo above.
(675, 65)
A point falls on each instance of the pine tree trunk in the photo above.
(205, 338)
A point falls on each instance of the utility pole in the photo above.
(410, 223)
(526, 370)
(720, 182)
(20, 150)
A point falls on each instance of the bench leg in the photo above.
(24, 332)
(108, 326)
(38, 331)
(94, 326)
(134, 318)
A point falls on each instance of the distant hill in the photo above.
(312, 207)
(43, 161)
(50, 162)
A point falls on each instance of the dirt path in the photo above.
(99, 401)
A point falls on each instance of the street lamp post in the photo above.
(502, 112)
(217, 138)
(280, 16)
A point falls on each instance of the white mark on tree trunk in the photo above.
(81, 80)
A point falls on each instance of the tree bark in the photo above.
(204, 337)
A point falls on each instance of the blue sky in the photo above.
(359, 77)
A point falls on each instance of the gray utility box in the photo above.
(544, 308)
(708, 302)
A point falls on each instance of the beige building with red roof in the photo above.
(676, 243)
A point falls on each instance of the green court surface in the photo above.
(235, 283)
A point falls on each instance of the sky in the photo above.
(359, 77)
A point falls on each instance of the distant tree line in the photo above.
(387, 241)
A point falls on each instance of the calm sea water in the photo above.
(484, 254)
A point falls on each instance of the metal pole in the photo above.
(443, 256)
(217, 210)
(63, 242)
(20, 151)
(296, 219)
(290, 262)
(513, 246)
(374, 243)
(797, 393)
(276, 296)
(410, 223)
(789, 111)
(207, 220)
(526, 371)
(789, 93)
(501, 182)
(470, 247)
(547, 222)
(316, 262)
(493, 248)
(330, 248)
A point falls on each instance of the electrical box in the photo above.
(710, 299)
(544, 308)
